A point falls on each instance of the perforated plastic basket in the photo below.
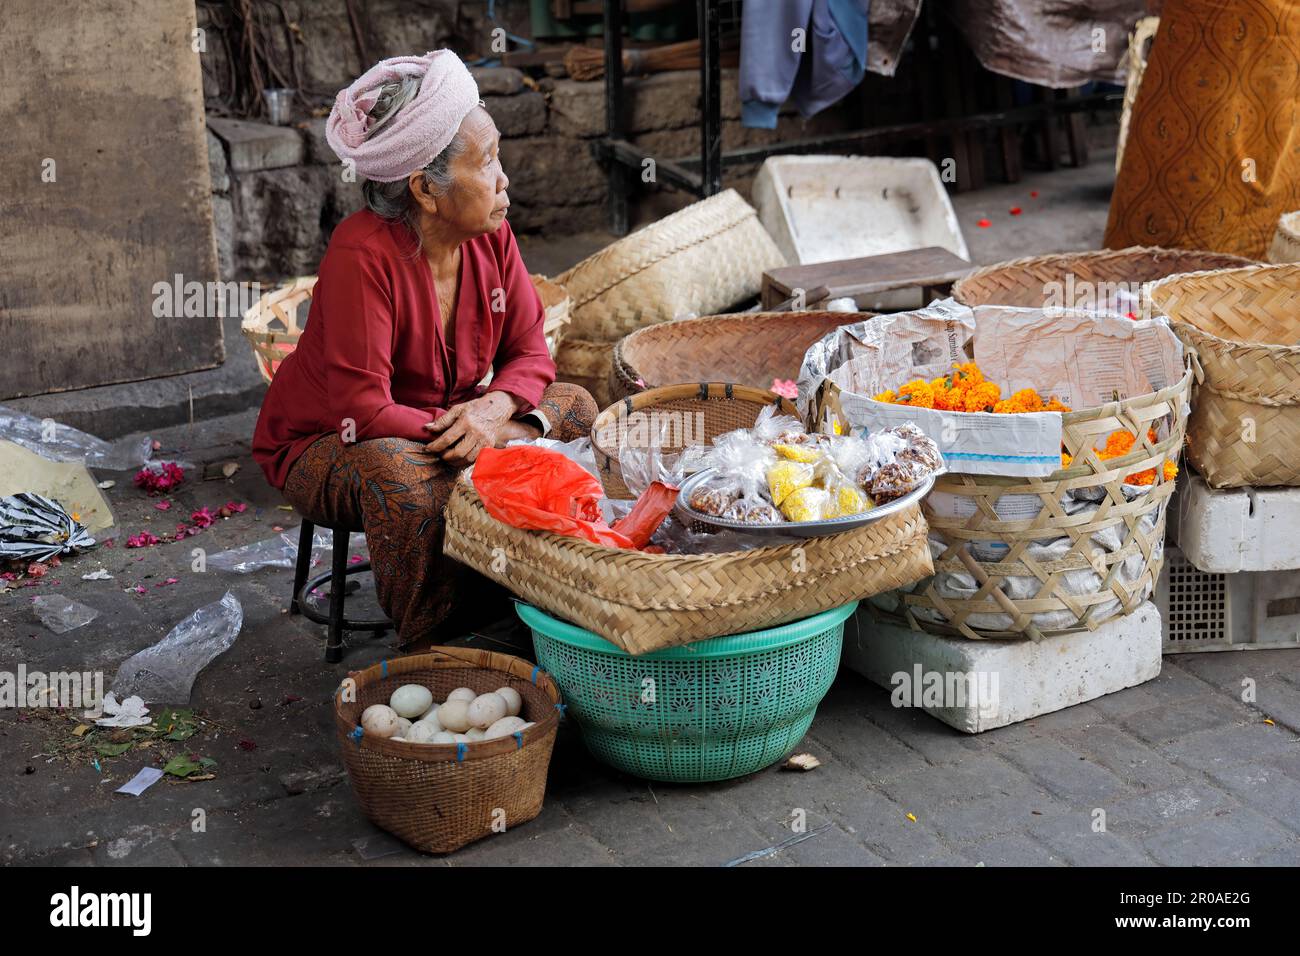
(711, 710)
(1208, 611)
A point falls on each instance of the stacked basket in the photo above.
(700, 260)
(1243, 326)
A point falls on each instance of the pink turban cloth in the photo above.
(419, 131)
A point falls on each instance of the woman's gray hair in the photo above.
(393, 200)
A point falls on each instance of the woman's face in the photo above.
(477, 201)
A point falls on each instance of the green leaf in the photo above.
(112, 750)
(181, 766)
(207, 763)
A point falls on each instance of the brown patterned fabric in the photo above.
(1213, 153)
(395, 491)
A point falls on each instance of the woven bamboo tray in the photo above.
(586, 363)
(1035, 281)
(1082, 431)
(696, 414)
(647, 602)
(276, 321)
(1243, 326)
(699, 261)
(750, 348)
(1286, 241)
(439, 797)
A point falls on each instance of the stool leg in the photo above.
(338, 584)
(303, 563)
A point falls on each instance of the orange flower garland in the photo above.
(966, 390)
(1119, 443)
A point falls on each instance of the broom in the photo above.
(588, 62)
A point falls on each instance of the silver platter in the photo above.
(796, 529)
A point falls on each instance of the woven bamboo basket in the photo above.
(1286, 241)
(694, 414)
(276, 321)
(439, 797)
(1243, 326)
(1068, 277)
(1144, 31)
(746, 348)
(1139, 524)
(698, 261)
(586, 363)
(647, 602)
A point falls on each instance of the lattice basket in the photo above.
(277, 320)
(1243, 326)
(1037, 558)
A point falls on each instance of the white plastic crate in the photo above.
(1214, 611)
(824, 208)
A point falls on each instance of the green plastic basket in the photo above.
(710, 710)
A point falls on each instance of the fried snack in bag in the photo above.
(786, 477)
(806, 504)
(806, 453)
(897, 479)
(846, 499)
(715, 496)
(753, 511)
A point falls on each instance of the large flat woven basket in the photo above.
(647, 602)
(1081, 279)
(1286, 241)
(699, 261)
(672, 418)
(1136, 526)
(1244, 327)
(276, 321)
(439, 797)
(748, 348)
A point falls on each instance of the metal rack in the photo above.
(701, 176)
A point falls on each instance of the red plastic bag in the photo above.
(529, 487)
(648, 514)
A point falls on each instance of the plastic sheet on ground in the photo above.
(281, 552)
(34, 528)
(60, 614)
(58, 442)
(165, 672)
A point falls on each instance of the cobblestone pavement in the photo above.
(1185, 772)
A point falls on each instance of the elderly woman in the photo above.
(420, 297)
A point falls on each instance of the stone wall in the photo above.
(278, 191)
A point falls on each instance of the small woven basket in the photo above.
(277, 320)
(694, 415)
(647, 602)
(1073, 278)
(586, 363)
(1243, 326)
(1286, 241)
(699, 261)
(746, 348)
(1139, 524)
(439, 797)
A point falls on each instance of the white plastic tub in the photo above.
(821, 208)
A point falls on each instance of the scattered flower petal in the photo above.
(142, 540)
(163, 505)
(983, 223)
(1015, 210)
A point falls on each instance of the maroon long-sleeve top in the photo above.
(374, 356)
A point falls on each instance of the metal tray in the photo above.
(796, 529)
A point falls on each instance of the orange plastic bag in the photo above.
(529, 487)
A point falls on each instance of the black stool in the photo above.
(337, 578)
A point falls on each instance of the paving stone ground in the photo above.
(1180, 770)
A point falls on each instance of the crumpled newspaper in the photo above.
(128, 713)
(34, 528)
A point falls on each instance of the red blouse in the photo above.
(374, 352)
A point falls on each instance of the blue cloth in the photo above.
(831, 63)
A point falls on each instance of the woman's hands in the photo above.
(468, 428)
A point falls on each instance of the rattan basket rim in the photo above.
(449, 658)
(702, 391)
(1161, 289)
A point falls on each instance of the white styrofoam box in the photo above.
(821, 208)
(988, 684)
(1237, 529)
(1214, 611)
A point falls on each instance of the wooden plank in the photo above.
(104, 192)
(871, 275)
